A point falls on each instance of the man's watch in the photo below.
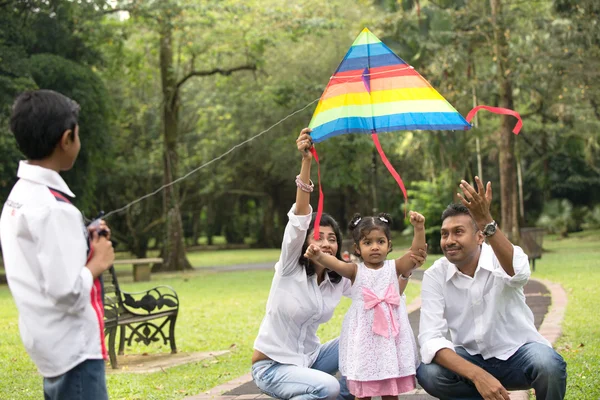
(490, 229)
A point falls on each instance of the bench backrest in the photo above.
(532, 240)
(113, 306)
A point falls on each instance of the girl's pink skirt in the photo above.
(384, 387)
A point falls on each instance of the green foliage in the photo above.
(85, 87)
(553, 52)
(29, 33)
(592, 218)
(431, 198)
(557, 217)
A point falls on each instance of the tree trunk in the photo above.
(174, 248)
(196, 226)
(268, 234)
(508, 176)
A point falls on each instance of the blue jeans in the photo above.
(86, 381)
(534, 365)
(285, 381)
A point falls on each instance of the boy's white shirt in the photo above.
(44, 246)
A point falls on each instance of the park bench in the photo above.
(145, 316)
(141, 267)
(531, 243)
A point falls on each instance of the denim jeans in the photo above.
(534, 365)
(285, 381)
(86, 381)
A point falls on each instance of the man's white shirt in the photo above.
(485, 314)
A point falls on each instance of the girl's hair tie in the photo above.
(383, 219)
(356, 222)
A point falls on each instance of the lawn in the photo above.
(220, 258)
(219, 311)
(575, 264)
(214, 258)
(222, 311)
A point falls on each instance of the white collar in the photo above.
(481, 263)
(43, 176)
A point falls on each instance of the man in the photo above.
(476, 293)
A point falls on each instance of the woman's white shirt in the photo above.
(297, 305)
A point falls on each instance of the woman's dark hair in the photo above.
(39, 119)
(326, 220)
(360, 227)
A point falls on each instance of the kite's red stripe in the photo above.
(498, 110)
(375, 73)
(317, 225)
(391, 169)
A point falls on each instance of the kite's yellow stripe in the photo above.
(381, 109)
(377, 97)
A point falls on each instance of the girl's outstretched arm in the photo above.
(347, 270)
(406, 263)
(304, 143)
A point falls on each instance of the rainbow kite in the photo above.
(373, 90)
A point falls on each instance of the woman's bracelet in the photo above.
(405, 278)
(303, 186)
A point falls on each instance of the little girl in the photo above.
(378, 353)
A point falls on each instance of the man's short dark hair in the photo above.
(39, 119)
(455, 209)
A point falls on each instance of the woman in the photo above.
(288, 360)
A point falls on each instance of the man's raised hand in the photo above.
(477, 201)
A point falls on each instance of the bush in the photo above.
(558, 217)
(431, 198)
(592, 218)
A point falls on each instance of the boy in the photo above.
(52, 267)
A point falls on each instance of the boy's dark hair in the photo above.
(38, 120)
(326, 220)
(455, 209)
(360, 227)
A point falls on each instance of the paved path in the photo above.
(546, 299)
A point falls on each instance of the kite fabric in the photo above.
(372, 91)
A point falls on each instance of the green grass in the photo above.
(575, 264)
(214, 258)
(231, 257)
(219, 311)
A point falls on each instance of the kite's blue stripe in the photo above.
(390, 123)
(365, 50)
(361, 63)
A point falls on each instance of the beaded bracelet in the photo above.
(405, 278)
(303, 186)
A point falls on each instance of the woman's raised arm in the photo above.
(305, 186)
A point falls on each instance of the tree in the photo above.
(508, 176)
(224, 37)
(48, 45)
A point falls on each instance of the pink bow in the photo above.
(371, 300)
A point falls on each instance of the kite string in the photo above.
(118, 210)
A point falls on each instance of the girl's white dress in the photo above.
(366, 356)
